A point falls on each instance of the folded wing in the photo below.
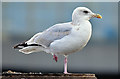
(55, 32)
(42, 40)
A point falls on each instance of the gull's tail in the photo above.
(28, 48)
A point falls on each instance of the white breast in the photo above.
(75, 41)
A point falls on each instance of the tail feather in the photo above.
(28, 48)
(31, 49)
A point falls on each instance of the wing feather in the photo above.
(55, 32)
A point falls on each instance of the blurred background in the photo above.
(21, 20)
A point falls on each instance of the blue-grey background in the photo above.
(21, 20)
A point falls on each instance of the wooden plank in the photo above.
(49, 76)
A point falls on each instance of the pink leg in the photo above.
(55, 57)
(65, 65)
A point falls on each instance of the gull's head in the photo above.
(83, 13)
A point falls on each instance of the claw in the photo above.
(55, 57)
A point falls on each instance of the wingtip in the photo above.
(15, 46)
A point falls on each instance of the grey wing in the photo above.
(55, 32)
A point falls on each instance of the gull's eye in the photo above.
(85, 12)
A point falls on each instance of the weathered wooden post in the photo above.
(49, 76)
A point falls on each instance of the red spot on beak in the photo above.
(55, 57)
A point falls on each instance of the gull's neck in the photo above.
(77, 20)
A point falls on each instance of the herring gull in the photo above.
(62, 38)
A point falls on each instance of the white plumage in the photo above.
(63, 38)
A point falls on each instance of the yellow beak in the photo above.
(97, 16)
